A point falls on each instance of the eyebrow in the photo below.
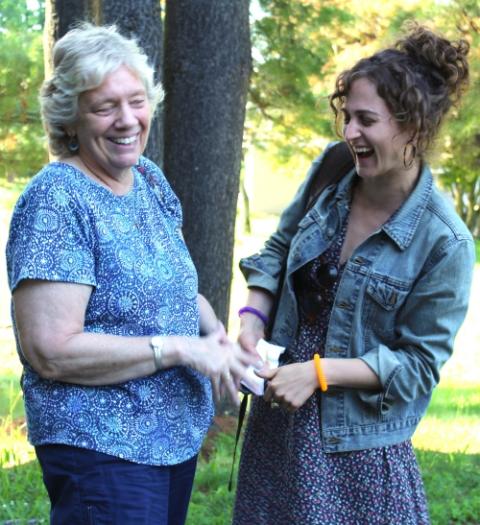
(109, 99)
(362, 112)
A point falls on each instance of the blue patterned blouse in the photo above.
(129, 248)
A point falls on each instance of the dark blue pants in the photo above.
(91, 488)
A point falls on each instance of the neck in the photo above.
(119, 184)
(388, 192)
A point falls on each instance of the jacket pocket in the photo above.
(384, 298)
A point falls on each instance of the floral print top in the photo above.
(130, 250)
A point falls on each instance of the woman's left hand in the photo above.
(291, 385)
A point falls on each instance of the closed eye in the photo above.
(137, 102)
(104, 109)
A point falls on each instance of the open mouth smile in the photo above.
(123, 140)
(363, 152)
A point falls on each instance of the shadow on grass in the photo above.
(452, 483)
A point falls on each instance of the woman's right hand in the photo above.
(217, 357)
(251, 331)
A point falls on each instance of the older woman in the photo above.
(105, 305)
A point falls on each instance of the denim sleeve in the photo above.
(263, 269)
(427, 325)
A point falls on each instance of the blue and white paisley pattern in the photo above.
(130, 249)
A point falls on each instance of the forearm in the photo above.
(349, 373)
(208, 318)
(291, 385)
(260, 300)
(102, 359)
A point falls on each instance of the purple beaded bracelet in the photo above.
(254, 311)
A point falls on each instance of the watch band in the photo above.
(157, 344)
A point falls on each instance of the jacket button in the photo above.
(335, 349)
(330, 232)
(358, 260)
(343, 304)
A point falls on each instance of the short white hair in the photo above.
(82, 59)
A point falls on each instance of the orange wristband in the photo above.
(320, 375)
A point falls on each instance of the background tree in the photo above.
(459, 163)
(22, 148)
(207, 67)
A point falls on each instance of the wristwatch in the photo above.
(157, 344)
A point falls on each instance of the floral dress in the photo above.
(285, 478)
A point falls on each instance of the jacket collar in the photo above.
(402, 225)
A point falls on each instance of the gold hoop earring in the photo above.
(410, 152)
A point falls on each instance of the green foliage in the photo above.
(22, 147)
(460, 160)
(452, 485)
(17, 17)
(211, 501)
(299, 47)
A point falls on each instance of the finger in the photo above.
(267, 373)
(216, 389)
(249, 343)
(268, 395)
(222, 330)
(237, 368)
(232, 390)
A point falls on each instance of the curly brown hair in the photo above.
(420, 77)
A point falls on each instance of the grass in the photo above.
(447, 441)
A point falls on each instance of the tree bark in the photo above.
(206, 72)
(60, 16)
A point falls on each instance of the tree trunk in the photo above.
(141, 20)
(206, 72)
(60, 16)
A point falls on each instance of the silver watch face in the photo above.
(157, 342)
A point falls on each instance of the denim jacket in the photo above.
(401, 299)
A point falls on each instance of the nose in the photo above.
(125, 115)
(351, 130)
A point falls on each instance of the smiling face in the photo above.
(113, 124)
(374, 136)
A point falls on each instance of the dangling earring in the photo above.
(72, 144)
(409, 150)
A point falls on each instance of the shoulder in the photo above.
(445, 233)
(442, 210)
(159, 184)
(55, 186)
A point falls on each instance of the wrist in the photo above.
(320, 373)
(174, 350)
(250, 322)
(250, 311)
(157, 344)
